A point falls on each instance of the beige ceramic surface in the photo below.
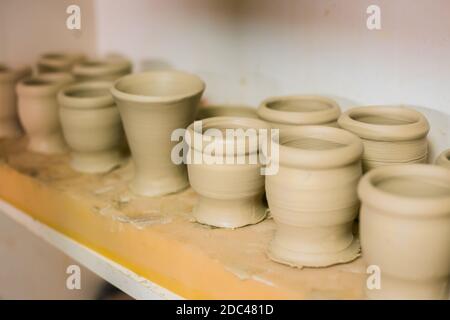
(405, 230)
(313, 197)
(58, 62)
(9, 120)
(107, 69)
(443, 159)
(39, 111)
(92, 127)
(152, 105)
(391, 135)
(291, 111)
(230, 194)
(210, 111)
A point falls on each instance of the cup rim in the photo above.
(403, 205)
(88, 102)
(319, 117)
(416, 129)
(163, 74)
(296, 157)
(104, 66)
(53, 81)
(59, 59)
(248, 123)
(8, 73)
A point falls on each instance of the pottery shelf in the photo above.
(149, 247)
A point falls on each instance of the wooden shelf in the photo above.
(149, 247)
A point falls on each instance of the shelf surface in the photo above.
(149, 247)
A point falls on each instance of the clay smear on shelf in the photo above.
(405, 230)
(240, 251)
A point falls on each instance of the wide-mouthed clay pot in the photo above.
(391, 135)
(210, 111)
(58, 62)
(9, 120)
(39, 111)
(107, 69)
(292, 111)
(230, 191)
(443, 159)
(152, 105)
(313, 196)
(91, 126)
(405, 230)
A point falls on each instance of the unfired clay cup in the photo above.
(39, 111)
(291, 111)
(224, 110)
(230, 194)
(391, 135)
(9, 120)
(152, 105)
(443, 159)
(405, 230)
(92, 127)
(58, 62)
(107, 69)
(313, 196)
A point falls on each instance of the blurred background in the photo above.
(245, 50)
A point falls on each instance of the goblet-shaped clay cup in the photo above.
(405, 230)
(391, 135)
(313, 197)
(152, 105)
(292, 111)
(210, 111)
(58, 62)
(107, 69)
(39, 111)
(92, 126)
(9, 120)
(230, 191)
(443, 159)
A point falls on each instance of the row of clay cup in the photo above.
(405, 207)
(58, 109)
(390, 134)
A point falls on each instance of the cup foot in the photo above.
(230, 213)
(298, 259)
(96, 163)
(157, 188)
(10, 130)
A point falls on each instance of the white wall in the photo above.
(29, 28)
(247, 50)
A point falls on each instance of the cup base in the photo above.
(234, 213)
(298, 259)
(10, 130)
(158, 187)
(98, 162)
(48, 145)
